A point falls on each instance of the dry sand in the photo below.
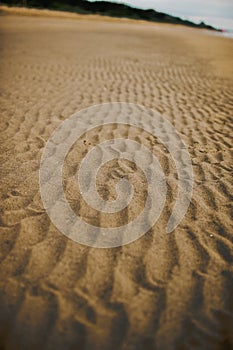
(161, 292)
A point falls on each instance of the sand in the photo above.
(161, 292)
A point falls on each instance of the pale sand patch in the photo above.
(163, 291)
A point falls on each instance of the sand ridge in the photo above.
(162, 291)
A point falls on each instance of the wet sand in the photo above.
(161, 292)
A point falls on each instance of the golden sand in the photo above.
(161, 292)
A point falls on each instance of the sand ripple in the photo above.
(162, 291)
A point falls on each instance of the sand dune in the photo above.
(161, 292)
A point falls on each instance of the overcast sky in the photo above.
(216, 12)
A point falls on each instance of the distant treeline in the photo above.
(104, 8)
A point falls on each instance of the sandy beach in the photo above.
(163, 291)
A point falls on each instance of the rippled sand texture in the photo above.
(161, 292)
